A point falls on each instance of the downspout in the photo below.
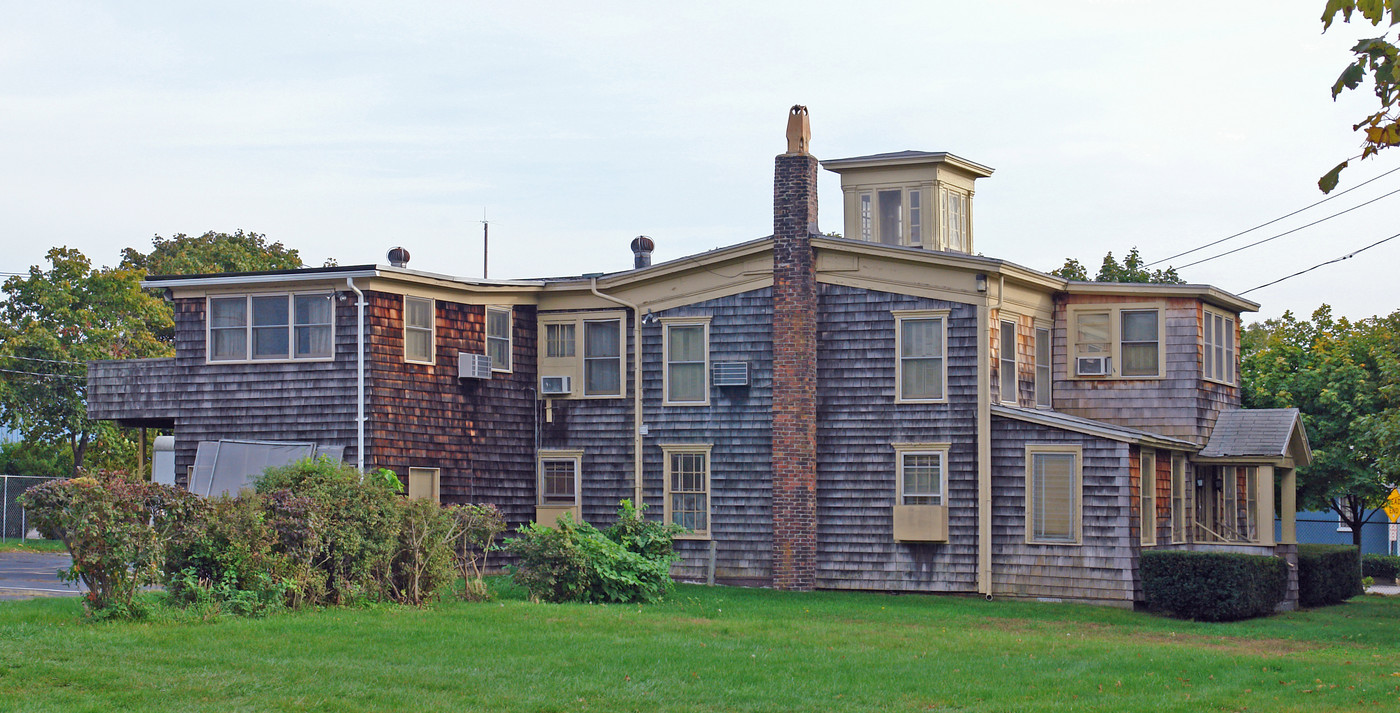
(359, 375)
(984, 437)
(636, 389)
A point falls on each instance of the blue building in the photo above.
(1325, 528)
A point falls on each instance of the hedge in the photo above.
(1212, 586)
(1385, 567)
(1328, 574)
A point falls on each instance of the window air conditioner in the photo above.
(473, 366)
(731, 373)
(556, 385)
(1092, 366)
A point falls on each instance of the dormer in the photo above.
(917, 199)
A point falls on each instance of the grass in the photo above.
(704, 649)
(10, 544)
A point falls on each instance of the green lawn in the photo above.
(710, 649)
(10, 544)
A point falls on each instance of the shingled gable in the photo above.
(1274, 433)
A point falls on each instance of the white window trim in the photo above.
(573, 366)
(432, 330)
(435, 474)
(1115, 340)
(1342, 526)
(510, 336)
(1147, 496)
(916, 449)
(1077, 497)
(944, 191)
(899, 316)
(575, 455)
(1234, 351)
(1004, 319)
(666, 324)
(667, 450)
(1049, 365)
(248, 327)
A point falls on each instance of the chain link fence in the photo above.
(14, 521)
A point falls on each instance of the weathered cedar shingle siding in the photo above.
(1180, 405)
(858, 420)
(284, 401)
(479, 432)
(737, 422)
(132, 389)
(1104, 565)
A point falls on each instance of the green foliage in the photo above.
(116, 530)
(1132, 269)
(360, 524)
(1378, 58)
(211, 253)
(478, 526)
(1212, 586)
(1328, 574)
(424, 562)
(1380, 566)
(577, 562)
(1344, 378)
(648, 538)
(51, 321)
(224, 558)
(37, 459)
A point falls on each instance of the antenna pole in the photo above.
(485, 242)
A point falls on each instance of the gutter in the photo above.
(359, 375)
(636, 388)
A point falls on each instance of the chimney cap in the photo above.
(799, 130)
(398, 257)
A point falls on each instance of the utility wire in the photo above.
(39, 373)
(1275, 220)
(1287, 232)
(50, 361)
(1321, 264)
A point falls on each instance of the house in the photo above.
(886, 411)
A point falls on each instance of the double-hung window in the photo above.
(582, 352)
(1053, 491)
(921, 367)
(498, 338)
(1110, 341)
(418, 330)
(923, 474)
(1219, 352)
(602, 357)
(1141, 349)
(1007, 371)
(271, 327)
(687, 361)
(688, 487)
(1147, 496)
(1043, 374)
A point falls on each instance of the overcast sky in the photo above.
(345, 128)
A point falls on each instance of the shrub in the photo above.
(478, 526)
(576, 562)
(359, 532)
(116, 530)
(1212, 586)
(424, 561)
(1328, 574)
(225, 559)
(1380, 567)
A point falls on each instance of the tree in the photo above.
(1132, 269)
(1379, 58)
(1344, 378)
(52, 322)
(211, 253)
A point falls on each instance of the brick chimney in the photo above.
(795, 361)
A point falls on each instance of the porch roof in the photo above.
(1268, 433)
(1091, 427)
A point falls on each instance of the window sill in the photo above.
(292, 360)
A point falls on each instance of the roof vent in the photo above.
(398, 257)
(641, 251)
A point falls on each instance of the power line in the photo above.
(1288, 232)
(50, 361)
(1321, 264)
(39, 373)
(1275, 220)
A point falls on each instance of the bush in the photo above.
(1328, 574)
(478, 526)
(1380, 567)
(1212, 586)
(360, 523)
(576, 562)
(225, 558)
(424, 561)
(116, 530)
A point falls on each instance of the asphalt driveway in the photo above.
(25, 575)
